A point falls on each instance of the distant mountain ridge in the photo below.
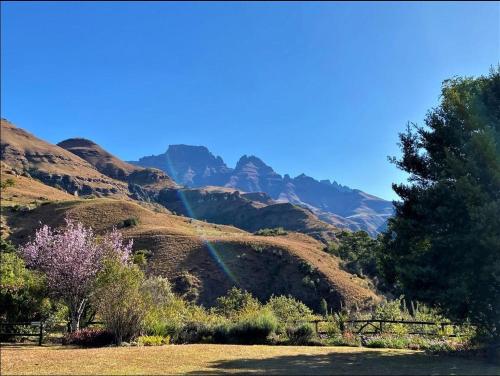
(196, 166)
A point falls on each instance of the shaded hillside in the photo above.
(29, 156)
(216, 256)
(195, 166)
(250, 212)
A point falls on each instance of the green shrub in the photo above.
(307, 267)
(7, 183)
(254, 328)
(129, 222)
(195, 332)
(308, 282)
(388, 342)
(300, 335)
(23, 292)
(235, 302)
(257, 248)
(119, 300)
(345, 339)
(153, 340)
(288, 311)
(221, 334)
(271, 231)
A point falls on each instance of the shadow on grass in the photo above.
(356, 363)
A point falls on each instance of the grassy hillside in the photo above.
(207, 259)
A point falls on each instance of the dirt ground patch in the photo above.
(220, 359)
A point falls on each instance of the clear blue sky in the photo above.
(319, 88)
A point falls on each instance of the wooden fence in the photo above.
(31, 324)
(374, 326)
(377, 326)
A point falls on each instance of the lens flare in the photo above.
(210, 246)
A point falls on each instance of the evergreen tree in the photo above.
(443, 245)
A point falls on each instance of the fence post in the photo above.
(40, 338)
(316, 325)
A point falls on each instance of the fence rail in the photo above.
(377, 325)
(35, 324)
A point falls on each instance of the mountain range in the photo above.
(196, 166)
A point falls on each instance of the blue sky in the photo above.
(319, 88)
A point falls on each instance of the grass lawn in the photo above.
(215, 359)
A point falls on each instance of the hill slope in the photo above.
(115, 168)
(28, 155)
(250, 211)
(216, 256)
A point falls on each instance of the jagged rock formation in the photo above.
(195, 166)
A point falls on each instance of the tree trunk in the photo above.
(76, 311)
(74, 322)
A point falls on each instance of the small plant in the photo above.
(257, 248)
(307, 267)
(141, 257)
(308, 282)
(129, 222)
(153, 340)
(7, 183)
(89, 337)
(300, 335)
(271, 231)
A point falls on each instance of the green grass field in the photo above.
(216, 359)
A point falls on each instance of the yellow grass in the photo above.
(216, 359)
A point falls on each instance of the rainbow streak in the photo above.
(212, 250)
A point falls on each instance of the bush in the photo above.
(388, 342)
(141, 257)
(89, 337)
(345, 339)
(23, 292)
(271, 232)
(300, 335)
(288, 311)
(119, 300)
(235, 302)
(129, 222)
(195, 332)
(153, 340)
(7, 183)
(254, 328)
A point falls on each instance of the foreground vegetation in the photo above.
(214, 359)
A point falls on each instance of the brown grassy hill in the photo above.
(53, 165)
(208, 259)
(22, 190)
(115, 168)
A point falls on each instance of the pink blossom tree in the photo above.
(70, 257)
